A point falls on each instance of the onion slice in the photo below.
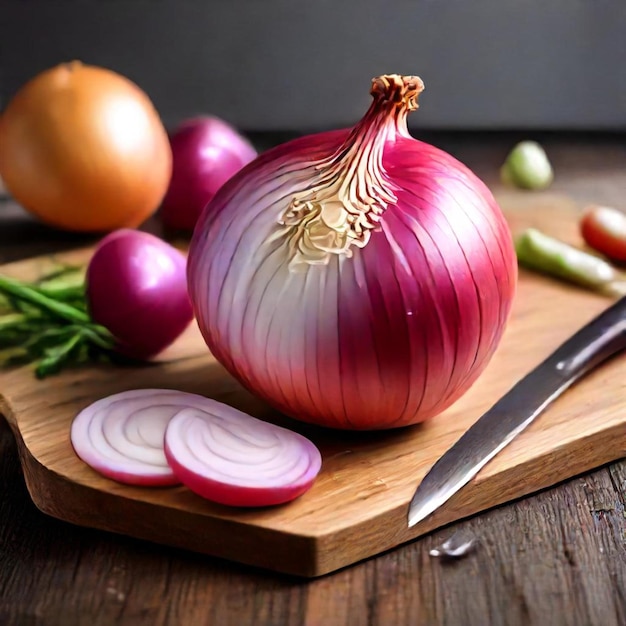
(232, 458)
(121, 436)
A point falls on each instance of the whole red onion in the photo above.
(206, 153)
(357, 279)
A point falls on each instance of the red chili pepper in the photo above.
(604, 229)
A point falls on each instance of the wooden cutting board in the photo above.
(358, 506)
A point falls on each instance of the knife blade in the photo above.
(600, 339)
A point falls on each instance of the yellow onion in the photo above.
(83, 149)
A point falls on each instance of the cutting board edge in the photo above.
(6, 411)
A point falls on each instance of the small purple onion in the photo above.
(137, 289)
(206, 153)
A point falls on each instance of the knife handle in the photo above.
(599, 340)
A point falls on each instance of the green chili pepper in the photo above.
(540, 252)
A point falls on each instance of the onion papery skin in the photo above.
(384, 336)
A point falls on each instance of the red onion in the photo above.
(207, 152)
(232, 458)
(137, 289)
(357, 279)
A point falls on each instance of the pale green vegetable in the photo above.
(527, 167)
(547, 255)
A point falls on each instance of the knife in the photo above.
(600, 339)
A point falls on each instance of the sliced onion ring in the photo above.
(232, 458)
(121, 436)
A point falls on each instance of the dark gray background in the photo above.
(306, 64)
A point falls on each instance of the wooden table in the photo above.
(558, 557)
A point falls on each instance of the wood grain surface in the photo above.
(557, 557)
(358, 505)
